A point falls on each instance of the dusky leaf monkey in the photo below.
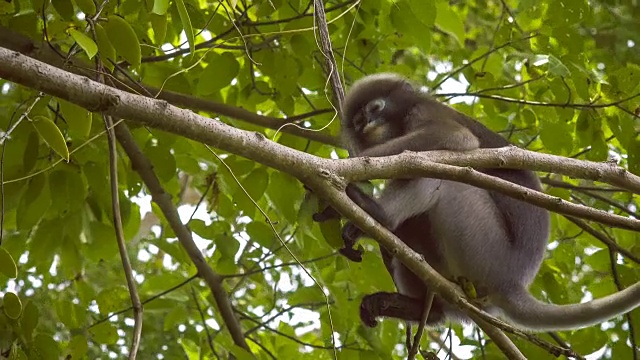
(494, 241)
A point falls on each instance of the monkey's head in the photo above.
(375, 110)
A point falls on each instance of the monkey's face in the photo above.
(373, 122)
(375, 109)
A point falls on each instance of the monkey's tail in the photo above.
(527, 312)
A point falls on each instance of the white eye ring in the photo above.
(375, 106)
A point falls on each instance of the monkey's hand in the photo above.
(328, 213)
(350, 235)
(389, 305)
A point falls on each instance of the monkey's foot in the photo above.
(395, 305)
(369, 310)
(389, 305)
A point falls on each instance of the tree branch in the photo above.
(144, 168)
(120, 238)
(327, 52)
(15, 41)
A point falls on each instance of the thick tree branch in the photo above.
(159, 114)
(512, 157)
(435, 164)
(15, 41)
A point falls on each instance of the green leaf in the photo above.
(110, 300)
(43, 245)
(85, 42)
(306, 295)
(159, 25)
(190, 348)
(64, 8)
(406, 22)
(46, 347)
(30, 155)
(164, 163)
(448, 20)
(104, 333)
(67, 189)
(186, 25)
(556, 67)
(627, 79)
(86, 6)
(222, 69)
(174, 318)
(261, 233)
(78, 119)
(424, 10)
(160, 7)
(77, 348)
(256, 183)
(332, 233)
(11, 305)
(240, 353)
(227, 245)
(286, 194)
(7, 264)
(50, 133)
(107, 52)
(123, 39)
(587, 341)
(589, 134)
(66, 313)
(29, 319)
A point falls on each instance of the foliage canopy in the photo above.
(554, 77)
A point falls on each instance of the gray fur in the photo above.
(494, 241)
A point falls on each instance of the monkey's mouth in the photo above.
(375, 131)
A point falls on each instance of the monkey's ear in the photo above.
(407, 86)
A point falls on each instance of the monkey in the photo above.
(492, 240)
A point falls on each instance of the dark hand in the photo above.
(350, 234)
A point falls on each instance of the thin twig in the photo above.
(204, 322)
(604, 239)
(122, 246)
(428, 301)
(616, 280)
(327, 52)
(503, 342)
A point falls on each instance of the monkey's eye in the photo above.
(374, 107)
